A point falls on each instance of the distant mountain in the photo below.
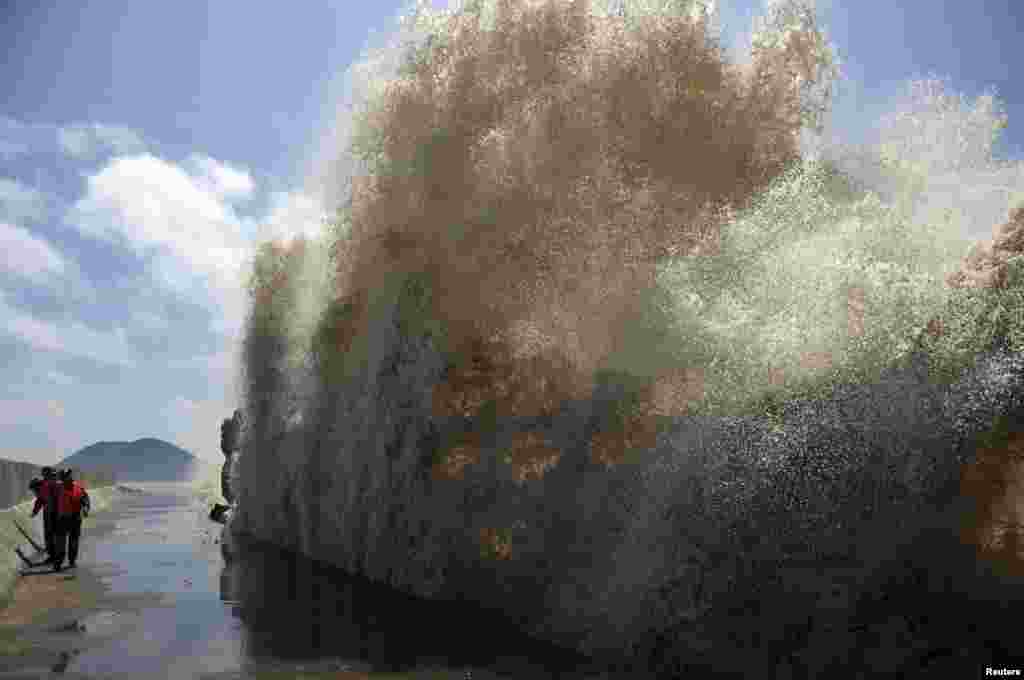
(149, 460)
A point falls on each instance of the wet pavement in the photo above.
(166, 605)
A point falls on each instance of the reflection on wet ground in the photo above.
(269, 610)
(330, 614)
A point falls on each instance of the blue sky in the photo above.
(144, 147)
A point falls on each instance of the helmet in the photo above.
(65, 474)
(48, 472)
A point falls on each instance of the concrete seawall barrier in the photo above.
(644, 563)
(14, 479)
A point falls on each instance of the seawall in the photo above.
(14, 479)
(642, 560)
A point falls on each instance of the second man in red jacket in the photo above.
(72, 505)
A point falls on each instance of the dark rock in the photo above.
(219, 513)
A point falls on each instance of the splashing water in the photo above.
(594, 290)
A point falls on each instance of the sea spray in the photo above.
(602, 345)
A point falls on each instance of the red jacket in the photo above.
(43, 497)
(71, 498)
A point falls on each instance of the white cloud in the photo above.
(154, 205)
(19, 202)
(221, 179)
(89, 140)
(180, 220)
(74, 338)
(26, 255)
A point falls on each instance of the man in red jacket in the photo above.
(72, 505)
(46, 500)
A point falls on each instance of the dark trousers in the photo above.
(68, 531)
(48, 531)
